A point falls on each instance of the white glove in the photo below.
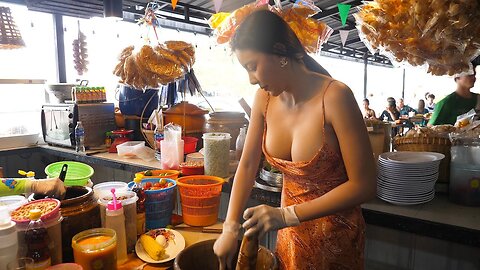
(52, 187)
(263, 218)
(226, 245)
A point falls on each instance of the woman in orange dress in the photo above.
(309, 126)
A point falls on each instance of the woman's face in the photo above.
(365, 104)
(264, 70)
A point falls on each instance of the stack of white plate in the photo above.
(407, 178)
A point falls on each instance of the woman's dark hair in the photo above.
(266, 32)
(431, 96)
(366, 100)
(421, 101)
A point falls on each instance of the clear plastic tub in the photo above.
(217, 154)
(12, 202)
(105, 188)
(464, 185)
(128, 149)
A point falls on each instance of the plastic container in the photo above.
(96, 249)
(200, 198)
(51, 219)
(66, 266)
(128, 149)
(104, 188)
(464, 185)
(158, 204)
(194, 157)
(128, 199)
(190, 168)
(9, 239)
(190, 145)
(115, 220)
(157, 174)
(133, 101)
(78, 173)
(12, 202)
(37, 241)
(217, 153)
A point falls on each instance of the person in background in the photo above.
(404, 109)
(456, 103)
(367, 112)
(421, 107)
(391, 113)
(52, 187)
(431, 102)
(310, 127)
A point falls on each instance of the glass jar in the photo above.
(96, 249)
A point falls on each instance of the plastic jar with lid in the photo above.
(8, 238)
(217, 154)
(96, 247)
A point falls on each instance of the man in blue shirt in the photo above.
(403, 109)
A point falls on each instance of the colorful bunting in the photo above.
(343, 9)
(174, 4)
(218, 5)
(344, 36)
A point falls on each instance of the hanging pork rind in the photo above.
(443, 35)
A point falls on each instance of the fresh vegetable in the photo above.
(148, 173)
(161, 184)
(152, 247)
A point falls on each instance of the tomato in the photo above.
(155, 188)
(169, 184)
(148, 185)
(157, 185)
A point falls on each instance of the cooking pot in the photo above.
(59, 92)
(190, 117)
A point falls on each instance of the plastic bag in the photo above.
(442, 35)
(465, 119)
(172, 147)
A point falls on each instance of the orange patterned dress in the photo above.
(329, 243)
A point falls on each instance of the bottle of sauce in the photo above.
(115, 220)
(138, 189)
(37, 241)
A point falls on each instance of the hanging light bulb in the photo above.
(113, 9)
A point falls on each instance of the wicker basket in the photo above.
(148, 135)
(10, 37)
(428, 144)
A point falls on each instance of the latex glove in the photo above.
(263, 218)
(226, 245)
(52, 187)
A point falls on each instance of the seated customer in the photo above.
(390, 113)
(367, 112)
(457, 103)
(430, 102)
(421, 107)
(404, 109)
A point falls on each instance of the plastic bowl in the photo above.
(12, 202)
(192, 169)
(106, 187)
(157, 174)
(78, 173)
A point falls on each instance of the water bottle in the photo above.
(79, 138)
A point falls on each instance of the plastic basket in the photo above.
(78, 173)
(158, 204)
(171, 174)
(200, 198)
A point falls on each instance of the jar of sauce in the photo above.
(96, 249)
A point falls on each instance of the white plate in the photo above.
(405, 197)
(405, 203)
(171, 251)
(409, 157)
(409, 167)
(407, 178)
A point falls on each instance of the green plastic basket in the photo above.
(78, 173)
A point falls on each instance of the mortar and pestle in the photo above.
(252, 257)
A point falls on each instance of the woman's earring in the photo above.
(283, 62)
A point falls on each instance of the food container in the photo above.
(192, 168)
(66, 266)
(190, 117)
(200, 199)
(194, 157)
(156, 174)
(158, 204)
(128, 199)
(80, 211)
(190, 145)
(464, 185)
(272, 178)
(105, 188)
(12, 202)
(96, 249)
(189, 258)
(216, 152)
(135, 101)
(228, 122)
(128, 149)
(78, 173)
(51, 218)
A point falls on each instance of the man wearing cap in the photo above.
(457, 103)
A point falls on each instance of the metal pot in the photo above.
(273, 179)
(59, 92)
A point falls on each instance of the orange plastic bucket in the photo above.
(200, 198)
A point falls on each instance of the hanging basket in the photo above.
(10, 37)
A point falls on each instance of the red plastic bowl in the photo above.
(192, 169)
(190, 145)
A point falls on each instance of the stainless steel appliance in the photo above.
(59, 121)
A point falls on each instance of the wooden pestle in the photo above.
(247, 256)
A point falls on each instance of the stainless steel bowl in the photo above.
(273, 179)
(59, 92)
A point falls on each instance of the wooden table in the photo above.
(191, 237)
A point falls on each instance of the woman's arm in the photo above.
(343, 115)
(248, 166)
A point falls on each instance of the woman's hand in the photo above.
(263, 218)
(52, 187)
(226, 245)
